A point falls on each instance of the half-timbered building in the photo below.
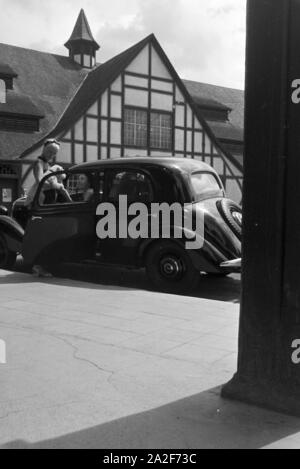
(133, 105)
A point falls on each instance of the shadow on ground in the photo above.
(214, 288)
(202, 421)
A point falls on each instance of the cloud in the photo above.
(204, 43)
(204, 40)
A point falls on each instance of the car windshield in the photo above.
(205, 185)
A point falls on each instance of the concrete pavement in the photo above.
(94, 366)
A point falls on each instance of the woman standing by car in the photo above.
(42, 166)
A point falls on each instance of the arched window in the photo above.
(2, 92)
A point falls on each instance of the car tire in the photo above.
(170, 269)
(228, 210)
(7, 257)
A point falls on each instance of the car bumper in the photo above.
(233, 266)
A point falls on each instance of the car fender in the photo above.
(12, 232)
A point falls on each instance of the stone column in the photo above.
(268, 373)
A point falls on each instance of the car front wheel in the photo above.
(7, 257)
(170, 269)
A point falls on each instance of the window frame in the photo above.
(60, 206)
(149, 113)
(112, 173)
(209, 194)
(19, 123)
(162, 113)
(144, 110)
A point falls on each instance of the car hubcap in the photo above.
(171, 268)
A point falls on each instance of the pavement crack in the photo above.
(76, 356)
(61, 338)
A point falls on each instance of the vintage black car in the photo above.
(60, 226)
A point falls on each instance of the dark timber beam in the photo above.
(268, 370)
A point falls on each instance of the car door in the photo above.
(62, 228)
(137, 186)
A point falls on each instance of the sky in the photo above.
(204, 39)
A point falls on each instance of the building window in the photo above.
(136, 127)
(2, 92)
(161, 131)
(19, 124)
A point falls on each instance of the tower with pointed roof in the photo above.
(82, 45)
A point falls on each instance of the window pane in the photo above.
(135, 128)
(161, 131)
(79, 187)
(136, 186)
(205, 184)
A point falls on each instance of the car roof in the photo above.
(181, 164)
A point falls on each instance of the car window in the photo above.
(80, 187)
(52, 190)
(205, 184)
(135, 185)
(62, 188)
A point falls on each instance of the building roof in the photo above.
(82, 32)
(18, 104)
(206, 103)
(231, 98)
(94, 84)
(227, 131)
(45, 83)
(102, 76)
(56, 87)
(7, 71)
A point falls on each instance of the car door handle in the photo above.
(36, 218)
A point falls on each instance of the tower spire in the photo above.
(82, 45)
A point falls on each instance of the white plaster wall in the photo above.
(141, 63)
(91, 153)
(137, 98)
(64, 155)
(115, 133)
(158, 67)
(79, 130)
(92, 130)
(162, 85)
(117, 85)
(103, 131)
(93, 110)
(78, 153)
(163, 102)
(116, 106)
(132, 152)
(136, 81)
(104, 104)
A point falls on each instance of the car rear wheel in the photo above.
(170, 269)
(7, 257)
(232, 214)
